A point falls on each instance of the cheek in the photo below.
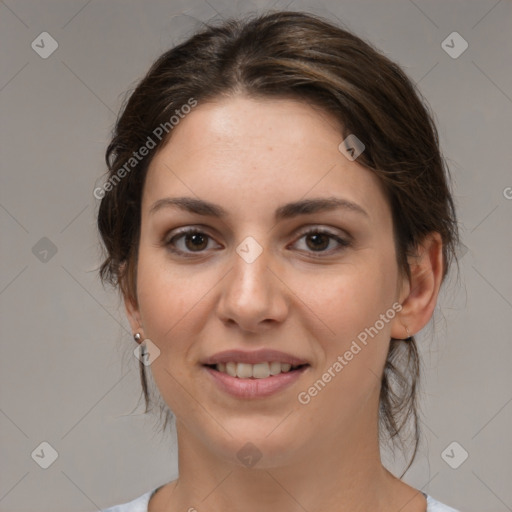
(165, 294)
(350, 302)
(167, 304)
(351, 298)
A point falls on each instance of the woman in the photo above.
(278, 219)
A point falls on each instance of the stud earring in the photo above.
(408, 333)
(137, 337)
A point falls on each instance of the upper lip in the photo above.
(253, 357)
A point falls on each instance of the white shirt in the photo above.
(140, 504)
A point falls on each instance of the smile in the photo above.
(255, 371)
(246, 385)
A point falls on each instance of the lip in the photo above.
(254, 388)
(253, 357)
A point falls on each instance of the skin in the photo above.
(250, 157)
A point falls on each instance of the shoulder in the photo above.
(139, 504)
(436, 506)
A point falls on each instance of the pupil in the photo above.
(318, 237)
(193, 237)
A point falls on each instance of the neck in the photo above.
(343, 473)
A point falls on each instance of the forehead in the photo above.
(266, 150)
(246, 125)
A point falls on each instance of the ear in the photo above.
(132, 308)
(133, 314)
(419, 295)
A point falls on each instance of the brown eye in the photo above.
(187, 242)
(196, 241)
(319, 241)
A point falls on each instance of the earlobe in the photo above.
(132, 312)
(426, 269)
(130, 301)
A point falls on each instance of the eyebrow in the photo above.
(287, 211)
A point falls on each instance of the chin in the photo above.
(254, 448)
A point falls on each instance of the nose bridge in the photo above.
(250, 282)
(252, 294)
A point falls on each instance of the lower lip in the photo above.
(255, 388)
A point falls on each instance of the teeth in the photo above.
(257, 371)
(275, 367)
(230, 369)
(243, 370)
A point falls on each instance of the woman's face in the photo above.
(252, 280)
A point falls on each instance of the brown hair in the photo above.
(294, 54)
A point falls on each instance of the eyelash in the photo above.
(169, 244)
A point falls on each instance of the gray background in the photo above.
(68, 376)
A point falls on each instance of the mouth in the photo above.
(245, 381)
(263, 370)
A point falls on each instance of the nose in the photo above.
(253, 295)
